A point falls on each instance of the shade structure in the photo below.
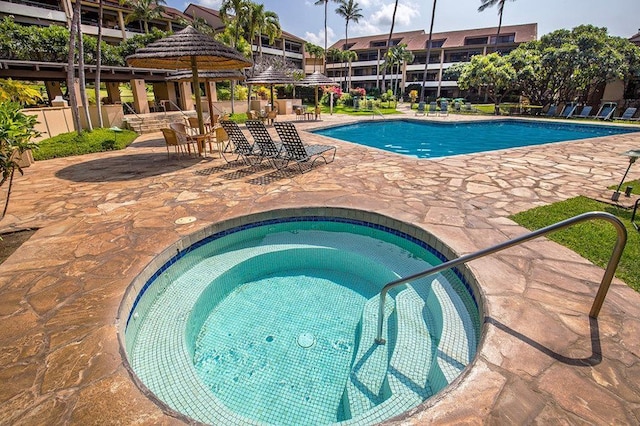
(271, 76)
(222, 75)
(317, 79)
(191, 50)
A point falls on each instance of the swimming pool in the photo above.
(273, 321)
(434, 139)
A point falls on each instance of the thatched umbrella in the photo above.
(271, 76)
(222, 75)
(317, 79)
(189, 49)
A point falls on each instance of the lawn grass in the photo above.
(341, 109)
(68, 144)
(594, 240)
(635, 184)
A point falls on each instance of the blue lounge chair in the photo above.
(444, 108)
(628, 114)
(568, 110)
(552, 111)
(606, 111)
(433, 108)
(295, 150)
(586, 110)
(239, 145)
(421, 109)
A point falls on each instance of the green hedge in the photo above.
(68, 144)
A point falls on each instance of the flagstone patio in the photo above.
(102, 218)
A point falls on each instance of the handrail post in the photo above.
(621, 241)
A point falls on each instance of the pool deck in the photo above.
(103, 217)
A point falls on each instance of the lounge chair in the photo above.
(239, 145)
(433, 108)
(421, 109)
(606, 111)
(444, 108)
(628, 115)
(295, 150)
(468, 107)
(568, 110)
(171, 139)
(268, 147)
(552, 111)
(586, 110)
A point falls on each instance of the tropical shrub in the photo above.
(16, 132)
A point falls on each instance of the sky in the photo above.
(306, 20)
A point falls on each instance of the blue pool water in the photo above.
(428, 140)
(275, 323)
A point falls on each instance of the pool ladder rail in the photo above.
(621, 241)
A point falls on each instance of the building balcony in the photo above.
(32, 10)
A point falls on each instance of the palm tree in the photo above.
(490, 3)
(398, 55)
(393, 22)
(326, 3)
(350, 11)
(314, 52)
(426, 65)
(349, 56)
(240, 9)
(99, 64)
(73, 100)
(144, 11)
(269, 25)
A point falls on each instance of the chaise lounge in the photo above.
(239, 145)
(295, 150)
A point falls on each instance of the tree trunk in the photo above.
(99, 65)
(426, 66)
(393, 22)
(81, 77)
(73, 101)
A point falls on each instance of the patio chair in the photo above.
(606, 111)
(568, 110)
(239, 145)
(268, 147)
(444, 108)
(468, 107)
(317, 111)
(295, 150)
(271, 116)
(586, 110)
(421, 109)
(628, 115)
(433, 106)
(184, 138)
(171, 139)
(299, 113)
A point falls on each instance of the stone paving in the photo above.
(103, 217)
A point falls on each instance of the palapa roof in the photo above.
(271, 76)
(176, 51)
(221, 75)
(317, 79)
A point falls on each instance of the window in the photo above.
(347, 46)
(291, 46)
(475, 40)
(504, 38)
(276, 43)
(395, 42)
(368, 56)
(378, 43)
(435, 43)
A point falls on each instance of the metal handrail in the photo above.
(127, 106)
(621, 241)
(173, 104)
(376, 110)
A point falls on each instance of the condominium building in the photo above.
(447, 48)
(115, 27)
